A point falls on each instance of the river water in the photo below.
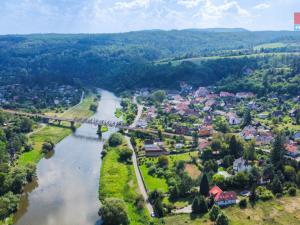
(66, 189)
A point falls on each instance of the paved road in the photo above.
(134, 159)
(139, 177)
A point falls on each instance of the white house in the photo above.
(240, 165)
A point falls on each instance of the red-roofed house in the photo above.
(292, 150)
(223, 198)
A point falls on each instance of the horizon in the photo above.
(150, 30)
(122, 16)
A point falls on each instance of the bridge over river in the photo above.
(72, 121)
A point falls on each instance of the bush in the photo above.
(125, 155)
(113, 212)
(48, 146)
(243, 203)
(115, 139)
(292, 191)
(264, 194)
(163, 161)
(222, 219)
(214, 212)
(199, 205)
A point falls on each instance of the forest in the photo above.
(131, 60)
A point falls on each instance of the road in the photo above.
(134, 160)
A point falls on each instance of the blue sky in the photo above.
(104, 16)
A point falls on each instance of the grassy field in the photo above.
(118, 180)
(279, 211)
(270, 46)
(54, 133)
(198, 60)
(153, 183)
(81, 110)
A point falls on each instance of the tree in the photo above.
(289, 173)
(159, 96)
(125, 154)
(48, 146)
(185, 184)
(195, 138)
(155, 198)
(163, 161)
(26, 125)
(276, 185)
(113, 212)
(298, 178)
(277, 152)
(222, 219)
(218, 179)
(99, 131)
(214, 212)
(247, 118)
(199, 205)
(115, 139)
(235, 147)
(204, 185)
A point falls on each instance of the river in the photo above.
(66, 189)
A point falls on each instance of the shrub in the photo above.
(199, 205)
(214, 212)
(264, 194)
(292, 191)
(125, 154)
(48, 146)
(115, 139)
(243, 203)
(113, 212)
(163, 161)
(222, 219)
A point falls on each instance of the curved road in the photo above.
(135, 163)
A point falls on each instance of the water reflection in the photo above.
(67, 189)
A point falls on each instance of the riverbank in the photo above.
(54, 133)
(51, 133)
(118, 180)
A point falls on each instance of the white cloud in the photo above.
(189, 3)
(134, 4)
(262, 6)
(213, 14)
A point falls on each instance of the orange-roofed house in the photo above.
(223, 198)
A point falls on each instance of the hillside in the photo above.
(125, 60)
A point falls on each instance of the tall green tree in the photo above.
(277, 152)
(204, 185)
(247, 119)
(276, 185)
(113, 212)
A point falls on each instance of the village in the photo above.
(38, 99)
(227, 137)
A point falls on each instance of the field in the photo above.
(153, 183)
(81, 110)
(280, 212)
(54, 133)
(118, 180)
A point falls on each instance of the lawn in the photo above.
(152, 182)
(279, 211)
(81, 110)
(118, 180)
(52, 133)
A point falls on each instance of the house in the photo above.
(242, 95)
(240, 165)
(292, 150)
(154, 150)
(248, 133)
(205, 130)
(296, 136)
(263, 115)
(224, 94)
(233, 119)
(180, 129)
(201, 92)
(277, 113)
(223, 198)
(203, 143)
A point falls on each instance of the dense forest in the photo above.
(129, 60)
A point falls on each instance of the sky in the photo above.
(111, 16)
